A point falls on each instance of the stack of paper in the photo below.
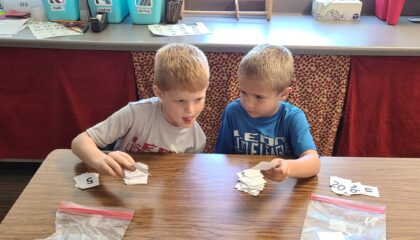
(250, 181)
(10, 27)
(46, 29)
(87, 180)
(179, 29)
(137, 177)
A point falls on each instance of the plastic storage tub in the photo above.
(381, 9)
(117, 9)
(394, 11)
(146, 11)
(62, 9)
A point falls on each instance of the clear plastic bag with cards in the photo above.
(74, 221)
(341, 219)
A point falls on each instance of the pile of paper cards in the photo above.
(251, 180)
(139, 176)
(87, 180)
(347, 187)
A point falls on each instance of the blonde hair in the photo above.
(272, 63)
(181, 66)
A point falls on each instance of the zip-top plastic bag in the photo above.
(336, 218)
(74, 221)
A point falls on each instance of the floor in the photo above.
(14, 176)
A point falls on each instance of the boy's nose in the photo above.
(189, 108)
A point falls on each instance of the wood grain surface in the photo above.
(193, 197)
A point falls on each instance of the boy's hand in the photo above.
(278, 173)
(114, 164)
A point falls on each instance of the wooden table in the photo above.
(193, 197)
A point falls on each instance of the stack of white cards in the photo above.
(250, 181)
(86, 180)
(139, 176)
(347, 187)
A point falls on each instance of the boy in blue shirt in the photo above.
(261, 123)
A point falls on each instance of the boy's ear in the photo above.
(157, 91)
(283, 95)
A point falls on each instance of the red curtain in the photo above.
(48, 96)
(382, 112)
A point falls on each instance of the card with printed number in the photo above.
(87, 180)
(346, 187)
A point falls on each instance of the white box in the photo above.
(336, 10)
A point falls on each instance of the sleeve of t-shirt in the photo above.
(301, 138)
(112, 128)
(224, 143)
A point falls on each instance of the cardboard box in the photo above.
(336, 10)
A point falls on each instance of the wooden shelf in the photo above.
(267, 13)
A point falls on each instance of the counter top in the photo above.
(300, 33)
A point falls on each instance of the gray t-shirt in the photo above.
(141, 127)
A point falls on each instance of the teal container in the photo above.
(117, 9)
(146, 11)
(62, 9)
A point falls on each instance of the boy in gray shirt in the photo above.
(165, 123)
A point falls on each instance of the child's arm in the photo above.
(307, 165)
(110, 164)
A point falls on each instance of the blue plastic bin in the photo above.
(146, 11)
(117, 9)
(62, 9)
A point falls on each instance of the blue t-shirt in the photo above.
(286, 133)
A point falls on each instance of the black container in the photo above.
(172, 11)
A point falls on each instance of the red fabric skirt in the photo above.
(382, 112)
(48, 96)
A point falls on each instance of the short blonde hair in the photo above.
(181, 66)
(272, 63)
